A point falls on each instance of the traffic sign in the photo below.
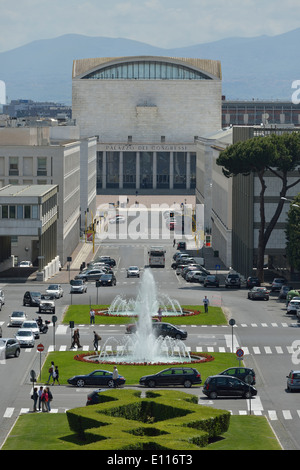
(40, 347)
(240, 353)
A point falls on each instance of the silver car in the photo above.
(17, 318)
(133, 271)
(77, 286)
(33, 326)
(55, 290)
(293, 380)
(25, 337)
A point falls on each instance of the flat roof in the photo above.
(34, 190)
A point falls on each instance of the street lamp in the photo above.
(290, 200)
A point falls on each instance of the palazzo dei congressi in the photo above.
(147, 113)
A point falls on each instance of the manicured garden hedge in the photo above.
(161, 420)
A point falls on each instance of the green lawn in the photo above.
(44, 431)
(80, 315)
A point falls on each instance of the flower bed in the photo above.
(185, 313)
(195, 359)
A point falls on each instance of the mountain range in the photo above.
(260, 68)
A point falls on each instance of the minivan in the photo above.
(222, 385)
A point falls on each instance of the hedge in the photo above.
(125, 420)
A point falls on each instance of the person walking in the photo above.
(97, 338)
(40, 393)
(115, 376)
(76, 339)
(51, 370)
(35, 397)
(50, 398)
(45, 400)
(92, 316)
(205, 303)
(56, 375)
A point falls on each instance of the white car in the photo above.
(25, 264)
(133, 271)
(293, 305)
(55, 290)
(17, 318)
(25, 337)
(78, 286)
(33, 326)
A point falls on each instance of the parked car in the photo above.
(195, 276)
(133, 271)
(47, 303)
(283, 292)
(97, 377)
(106, 259)
(17, 318)
(241, 373)
(55, 290)
(293, 306)
(194, 267)
(258, 293)
(90, 274)
(25, 264)
(32, 298)
(2, 298)
(222, 385)
(11, 347)
(93, 397)
(25, 337)
(293, 380)
(252, 282)
(108, 280)
(184, 376)
(33, 326)
(277, 283)
(77, 286)
(233, 280)
(166, 329)
(181, 246)
(211, 280)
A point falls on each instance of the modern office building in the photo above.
(146, 113)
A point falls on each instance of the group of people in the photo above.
(53, 373)
(42, 398)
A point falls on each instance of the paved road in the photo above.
(262, 329)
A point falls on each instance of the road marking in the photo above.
(268, 350)
(279, 349)
(272, 415)
(286, 414)
(8, 413)
(256, 350)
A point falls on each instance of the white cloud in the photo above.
(165, 23)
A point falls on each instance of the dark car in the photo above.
(11, 347)
(107, 280)
(97, 377)
(166, 329)
(283, 292)
(233, 280)
(211, 280)
(293, 380)
(181, 246)
(93, 397)
(222, 385)
(252, 282)
(131, 327)
(106, 259)
(258, 293)
(241, 373)
(184, 376)
(32, 298)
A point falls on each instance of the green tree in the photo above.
(293, 234)
(278, 154)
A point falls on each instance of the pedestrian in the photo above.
(50, 398)
(159, 314)
(40, 393)
(45, 400)
(115, 376)
(96, 339)
(51, 370)
(76, 339)
(205, 303)
(92, 316)
(174, 242)
(56, 375)
(35, 397)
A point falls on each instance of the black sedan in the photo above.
(258, 293)
(211, 280)
(184, 376)
(107, 280)
(101, 378)
(252, 282)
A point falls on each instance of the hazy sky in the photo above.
(163, 23)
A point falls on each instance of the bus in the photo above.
(157, 256)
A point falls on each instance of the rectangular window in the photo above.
(12, 212)
(27, 212)
(19, 212)
(35, 212)
(4, 212)
(41, 166)
(13, 166)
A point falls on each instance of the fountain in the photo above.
(143, 347)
